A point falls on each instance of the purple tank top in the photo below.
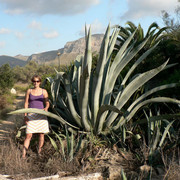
(36, 101)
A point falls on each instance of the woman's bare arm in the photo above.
(46, 100)
(26, 104)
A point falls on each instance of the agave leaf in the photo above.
(140, 32)
(156, 140)
(53, 89)
(62, 108)
(123, 134)
(131, 25)
(155, 39)
(149, 127)
(143, 56)
(165, 133)
(39, 111)
(72, 148)
(157, 99)
(120, 53)
(131, 71)
(153, 25)
(100, 117)
(98, 76)
(53, 143)
(117, 70)
(84, 84)
(78, 144)
(132, 87)
(62, 145)
(77, 64)
(68, 141)
(160, 117)
(152, 100)
(70, 100)
(18, 135)
(77, 83)
(112, 43)
(113, 40)
(123, 36)
(159, 88)
(123, 175)
(88, 54)
(84, 92)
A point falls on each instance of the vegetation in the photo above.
(18, 78)
(99, 101)
(114, 106)
(24, 74)
(6, 78)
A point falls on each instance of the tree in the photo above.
(172, 23)
(6, 78)
(170, 47)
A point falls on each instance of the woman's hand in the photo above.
(26, 119)
(45, 109)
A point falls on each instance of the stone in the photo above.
(13, 91)
(94, 176)
(4, 177)
(145, 168)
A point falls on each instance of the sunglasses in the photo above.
(35, 81)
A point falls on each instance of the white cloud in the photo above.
(52, 34)
(35, 25)
(4, 31)
(42, 7)
(96, 27)
(141, 8)
(2, 44)
(19, 35)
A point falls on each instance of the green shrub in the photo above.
(6, 78)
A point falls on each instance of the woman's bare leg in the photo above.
(41, 142)
(26, 144)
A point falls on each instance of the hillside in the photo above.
(12, 61)
(21, 57)
(66, 54)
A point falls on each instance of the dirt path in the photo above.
(13, 121)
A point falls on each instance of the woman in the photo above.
(36, 123)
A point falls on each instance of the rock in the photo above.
(94, 176)
(145, 168)
(54, 177)
(13, 91)
(4, 177)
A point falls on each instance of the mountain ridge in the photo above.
(65, 55)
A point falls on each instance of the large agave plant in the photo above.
(85, 99)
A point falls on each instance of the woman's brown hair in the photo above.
(36, 76)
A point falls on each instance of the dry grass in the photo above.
(88, 160)
(33, 166)
(171, 162)
(173, 172)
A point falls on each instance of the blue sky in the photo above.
(33, 26)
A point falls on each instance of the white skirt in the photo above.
(37, 123)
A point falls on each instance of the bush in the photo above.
(3, 102)
(6, 78)
(24, 74)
